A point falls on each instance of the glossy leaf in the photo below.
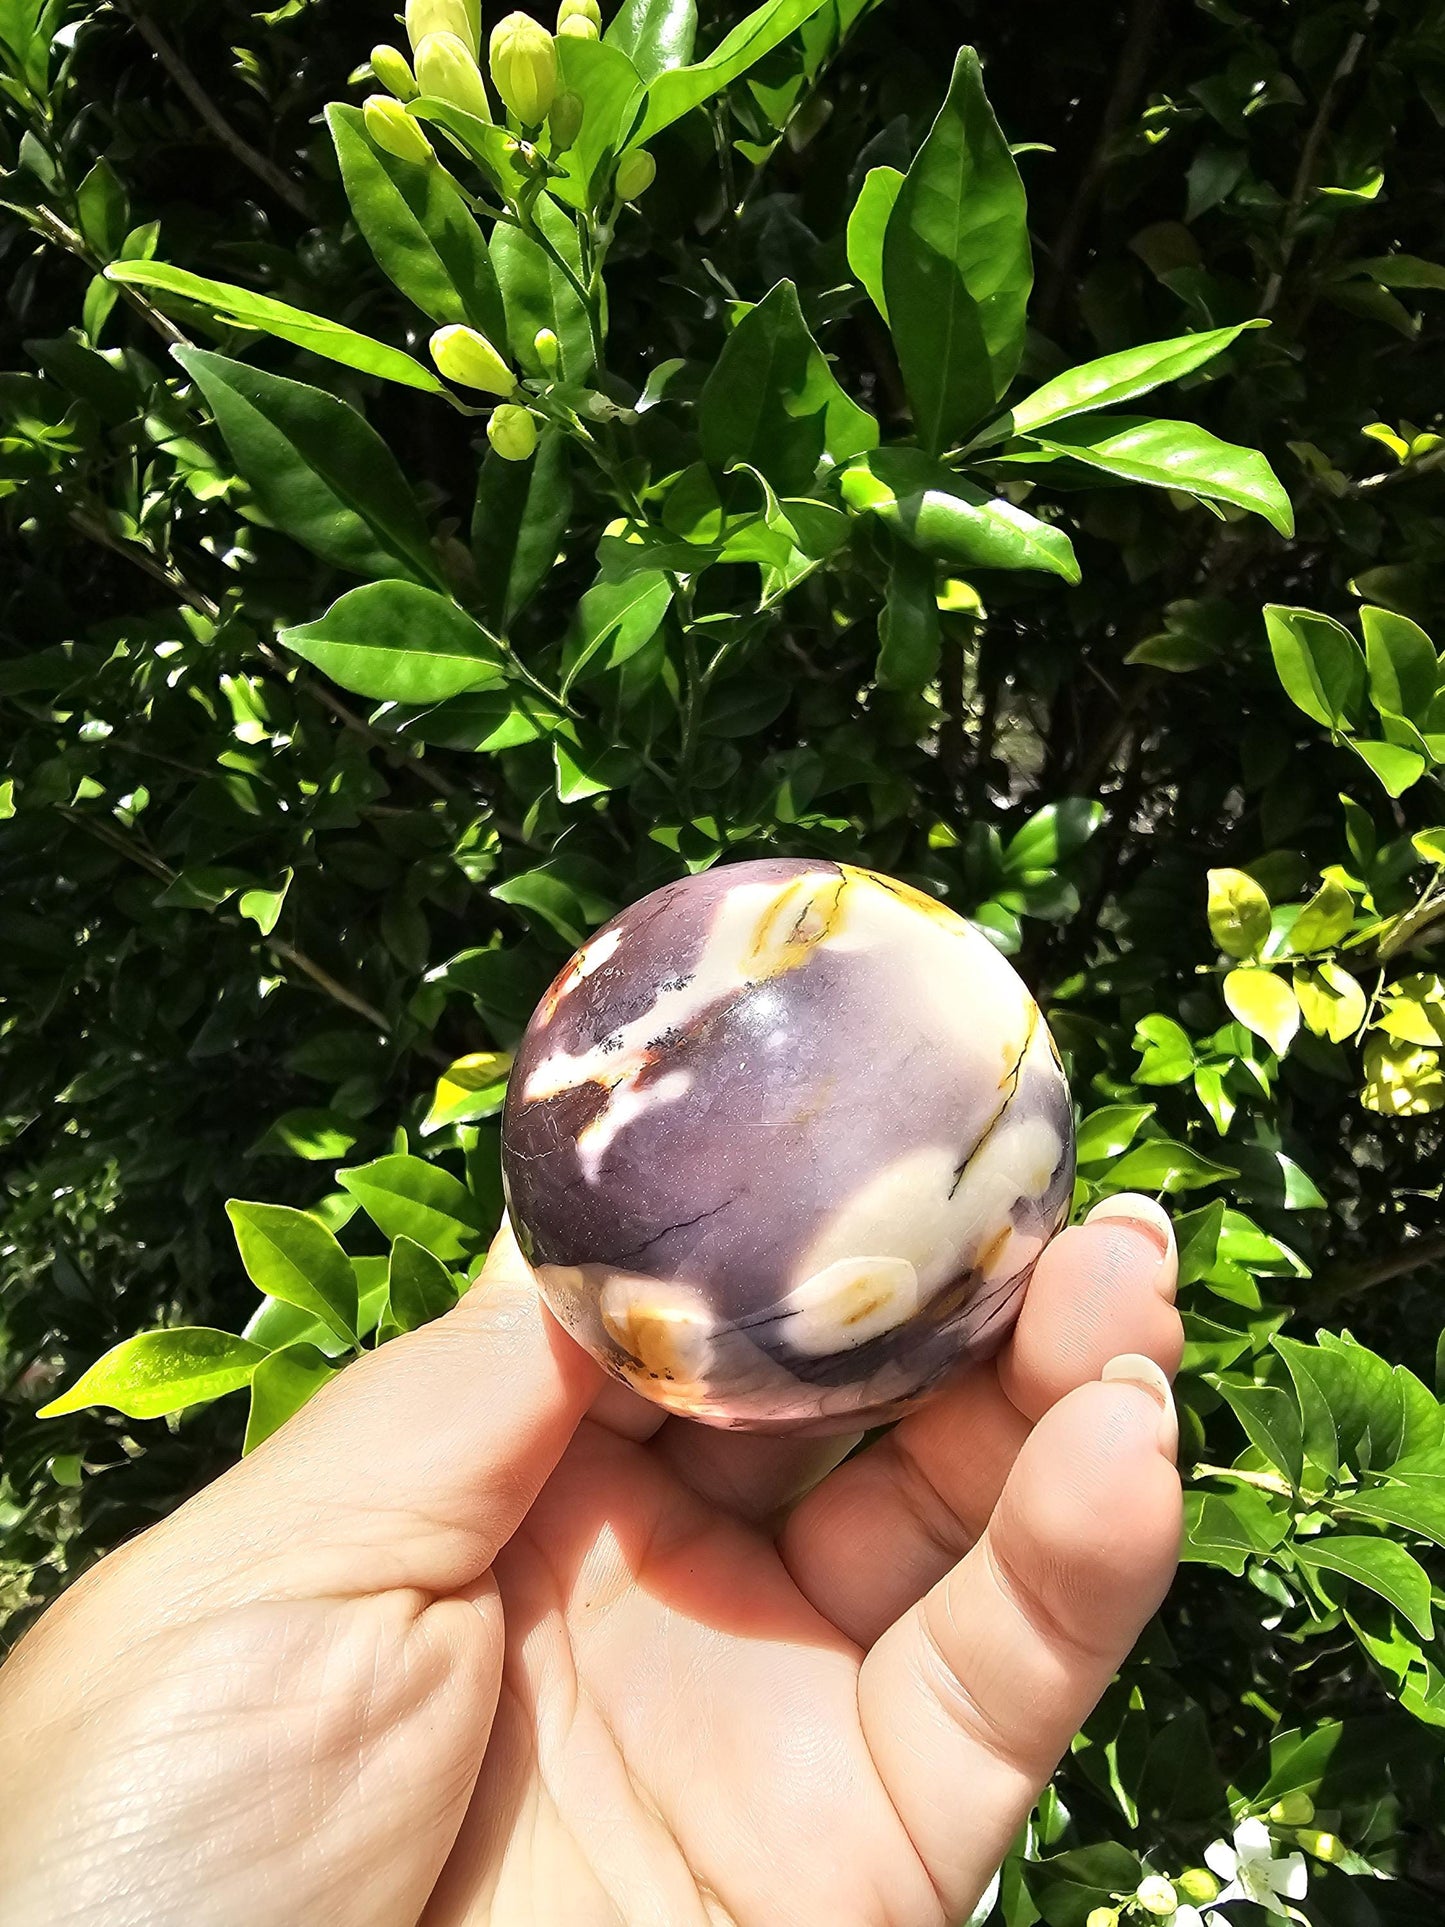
(1265, 1004)
(537, 293)
(407, 1197)
(606, 80)
(1379, 1564)
(1414, 1508)
(1108, 1132)
(1053, 834)
(396, 642)
(1239, 915)
(654, 34)
(290, 1255)
(1401, 661)
(518, 521)
(160, 1372)
(563, 894)
(867, 225)
(1160, 1164)
(316, 469)
(280, 1385)
(1177, 455)
(677, 90)
(1119, 377)
(773, 402)
(1331, 1001)
(948, 518)
(419, 1286)
(470, 1087)
(1318, 661)
(1397, 769)
(267, 316)
(1271, 1421)
(909, 635)
(1324, 921)
(615, 620)
(957, 269)
(417, 224)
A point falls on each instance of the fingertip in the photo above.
(1136, 1368)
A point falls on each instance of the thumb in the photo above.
(415, 1467)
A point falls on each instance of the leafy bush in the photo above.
(425, 538)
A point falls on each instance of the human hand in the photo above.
(480, 1637)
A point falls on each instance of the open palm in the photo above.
(477, 1639)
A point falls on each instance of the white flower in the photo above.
(1187, 1916)
(1252, 1872)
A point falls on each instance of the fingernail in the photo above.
(1132, 1211)
(1135, 1368)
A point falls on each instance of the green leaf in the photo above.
(1160, 1164)
(1398, 769)
(536, 292)
(867, 225)
(275, 1324)
(316, 469)
(244, 309)
(654, 34)
(319, 1135)
(909, 634)
(1229, 1529)
(1379, 1564)
(420, 229)
(1401, 662)
(612, 89)
(1178, 455)
(104, 209)
(956, 265)
(1271, 1421)
(615, 620)
(1400, 271)
(290, 1255)
(773, 402)
(1265, 1004)
(263, 904)
(280, 1386)
(1239, 915)
(406, 1197)
(1053, 834)
(396, 642)
(564, 895)
(469, 1088)
(1331, 1001)
(1319, 663)
(419, 1286)
(162, 1371)
(1109, 1131)
(677, 90)
(1324, 921)
(1414, 1508)
(1116, 378)
(518, 524)
(1167, 1052)
(948, 518)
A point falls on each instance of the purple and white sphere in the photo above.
(783, 1142)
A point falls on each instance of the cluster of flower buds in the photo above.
(464, 355)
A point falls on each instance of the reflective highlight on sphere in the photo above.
(783, 1142)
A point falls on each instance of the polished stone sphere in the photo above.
(783, 1142)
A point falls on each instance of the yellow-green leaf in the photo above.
(1324, 921)
(1414, 1010)
(1264, 1004)
(1238, 913)
(472, 1087)
(163, 1371)
(1401, 1080)
(1331, 1001)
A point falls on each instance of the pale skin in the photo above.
(478, 1638)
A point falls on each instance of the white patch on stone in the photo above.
(665, 1326)
(848, 1302)
(919, 1210)
(726, 964)
(626, 1104)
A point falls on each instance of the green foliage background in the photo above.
(322, 750)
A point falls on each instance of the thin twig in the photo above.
(1129, 75)
(96, 531)
(1304, 178)
(50, 225)
(1334, 1286)
(328, 983)
(251, 158)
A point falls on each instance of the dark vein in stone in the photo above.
(1009, 1087)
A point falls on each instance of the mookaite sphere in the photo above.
(783, 1142)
